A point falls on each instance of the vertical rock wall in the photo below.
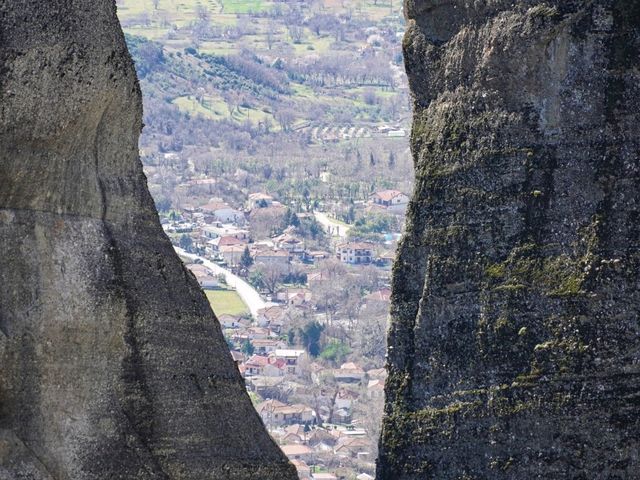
(514, 347)
(112, 365)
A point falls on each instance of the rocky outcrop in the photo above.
(514, 348)
(112, 365)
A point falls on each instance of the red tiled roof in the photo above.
(387, 195)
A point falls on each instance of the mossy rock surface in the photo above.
(515, 331)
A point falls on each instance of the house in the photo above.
(323, 476)
(294, 434)
(375, 389)
(218, 229)
(205, 277)
(296, 452)
(292, 359)
(294, 296)
(264, 346)
(229, 321)
(348, 373)
(364, 476)
(238, 357)
(222, 212)
(271, 257)
(345, 399)
(290, 243)
(274, 412)
(383, 296)
(350, 447)
(228, 241)
(392, 200)
(386, 258)
(377, 373)
(355, 252)
(258, 332)
(259, 365)
(304, 471)
(319, 436)
(259, 200)
(267, 315)
(388, 198)
(315, 255)
(232, 254)
(265, 386)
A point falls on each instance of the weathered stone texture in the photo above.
(112, 365)
(514, 345)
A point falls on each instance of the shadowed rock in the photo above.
(514, 347)
(112, 365)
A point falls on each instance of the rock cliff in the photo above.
(112, 365)
(514, 348)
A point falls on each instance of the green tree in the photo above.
(186, 242)
(291, 337)
(310, 336)
(248, 348)
(245, 260)
(392, 160)
(335, 352)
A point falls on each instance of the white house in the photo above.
(355, 252)
(389, 198)
(292, 359)
(205, 277)
(259, 200)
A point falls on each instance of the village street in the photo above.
(332, 227)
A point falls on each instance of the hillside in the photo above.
(279, 94)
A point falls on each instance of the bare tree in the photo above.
(285, 118)
(203, 14)
(271, 33)
(272, 274)
(296, 33)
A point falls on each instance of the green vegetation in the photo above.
(283, 92)
(226, 302)
(335, 352)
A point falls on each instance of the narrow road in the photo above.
(248, 294)
(332, 227)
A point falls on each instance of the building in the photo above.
(296, 452)
(222, 212)
(274, 412)
(269, 256)
(292, 359)
(266, 316)
(355, 252)
(259, 200)
(205, 277)
(304, 471)
(348, 373)
(232, 254)
(389, 198)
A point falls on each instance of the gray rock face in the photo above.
(514, 348)
(112, 365)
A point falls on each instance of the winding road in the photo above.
(248, 294)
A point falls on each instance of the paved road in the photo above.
(248, 294)
(332, 227)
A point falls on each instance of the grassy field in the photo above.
(226, 302)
